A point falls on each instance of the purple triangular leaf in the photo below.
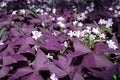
(79, 46)
(95, 60)
(106, 74)
(33, 76)
(40, 61)
(20, 72)
(8, 60)
(56, 70)
(4, 71)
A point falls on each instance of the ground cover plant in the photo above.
(59, 40)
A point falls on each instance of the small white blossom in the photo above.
(3, 4)
(111, 44)
(109, 23)
(96, 30)
(36, 47)
(1, 43)
(80, 24)
(53, 77)
(61, 24)
(36, 34)
(83, 33)
(77, 33)
(92, 37)
(49, 56)
(111, 9)
(118, 7)
(102, 21)
(86, 12)
(60, 19)
(54, 11)
(71, 33)
(92, 5)
(88, 30)
(75, 22)
(102, 35)
(22, 11)
(65, 44)
(14, 12)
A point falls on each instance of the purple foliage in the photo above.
(60, 39)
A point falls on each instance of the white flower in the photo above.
(111, 44)
(71, 33)
(83, 33)
(92, 37)
(75, 22)
(80, 24)
(14, 12)
(49, 56)
(3, 4)
(1, 43)
(54, 11)
(36, 47)
(109, 23)
(22, 11)
(65, 44)
(36, 34)
(102, 35)
(111, 9)
(88, 30)
(92, 5)
(61, 24)
(86, 12)
(53, 77)
(77, 33)
(60, 19)
(96, 30)
(102, 21)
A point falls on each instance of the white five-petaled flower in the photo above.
(109, 23)
(22, 11)
(102, 21)
(80, 24)
(54, 10)
(60, 19)
(36, 34)
(53, 77)
(102, 35)
(88, 30)
(49, 56)
(75, 23)
(71, 33)
(61, 24)
(77, 33)
(1, 43)
(96, 30)
(92, 37)
(14, 12)
(111, 44)
(65, 44)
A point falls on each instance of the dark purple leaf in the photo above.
(26, 48)
(79, 46)
(4, 71)
(8, 60)
(56, 70)
(106, 74)
(20, 72)
(95, 60)
(77, 76)
(33, 76)
(40, 61)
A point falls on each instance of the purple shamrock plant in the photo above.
(59, 40)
